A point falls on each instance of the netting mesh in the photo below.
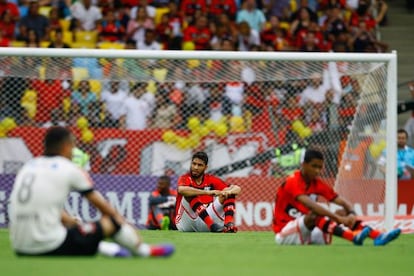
(139, 119)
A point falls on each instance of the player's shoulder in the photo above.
(295, 177)
(184, 178)
(211, 176)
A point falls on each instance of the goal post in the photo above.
(252, 136)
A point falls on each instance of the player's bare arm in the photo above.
(231, 190)
(103, 206)
(68, 220)
(348, 209)
(321, 211)
(190, 191)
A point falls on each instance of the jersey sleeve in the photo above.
(293, 188)
(218, 184)
(183, 181)
(81, 181)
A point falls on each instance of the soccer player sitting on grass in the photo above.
(40, 226)
(161, 211)
(299, 219)
(205, 202)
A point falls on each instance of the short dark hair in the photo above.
(311, 154)
(54, 138)
(401, 130)
(165, 178)
(201, 155)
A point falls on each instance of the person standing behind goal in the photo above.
(300, 220)
(40, 226)
(205, 203)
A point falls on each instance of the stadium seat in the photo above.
(44, 44)
(158, 14)
(67, 37)
(86, 36)
(96, 87)
(65, 24)
(42, 72)
(80, 73)
(16, 43)
(45, 10)
(111, 45)
(160, 74)
(83, 45)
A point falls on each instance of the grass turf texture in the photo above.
(244, 253)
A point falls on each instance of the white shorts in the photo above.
(296, 233)
(187, 220)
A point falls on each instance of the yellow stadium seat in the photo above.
(65, 24)
(160, 74)
(80, 73)
(111, 45)
(44, 44)
(85, 45)
(45, 10)
(16, 43)
(84, 36)
(67, 37)
(158, 14)
(42, 72)
(96, 87)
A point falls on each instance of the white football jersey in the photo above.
(39, 193)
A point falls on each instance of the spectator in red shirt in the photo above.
(50, 95)
(200, 34)
(7, 25)
(6, 6)
(54, 19)
(111, 29)
(4, 41)
(190, 7)
(218, 7)
(273, 37)
(362, 13)
(164, 31)
(176, 22)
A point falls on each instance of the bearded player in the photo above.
(205, 203)
(299, 219)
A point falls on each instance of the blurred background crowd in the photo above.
(244, 25)
(61, 91)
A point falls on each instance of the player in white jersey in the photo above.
(40, 226)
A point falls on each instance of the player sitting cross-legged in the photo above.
(205, 202)
(161, 209)
(299, 219)
(40, 226)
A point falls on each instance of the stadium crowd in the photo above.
(132, 94)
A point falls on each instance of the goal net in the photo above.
(138, 115)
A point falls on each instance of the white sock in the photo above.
(128, 238)
(144, 250)
(109, 249)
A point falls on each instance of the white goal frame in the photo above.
(389, 58)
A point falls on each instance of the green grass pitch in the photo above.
(244, 253)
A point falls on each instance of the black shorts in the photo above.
(81, 240)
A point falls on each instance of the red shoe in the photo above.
(162, 250)
(230, 228)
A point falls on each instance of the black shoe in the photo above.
(230, 228)
(216, 228)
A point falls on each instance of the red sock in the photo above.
(331, 227)
(201, 211)
(228, 208)
(359, 226)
